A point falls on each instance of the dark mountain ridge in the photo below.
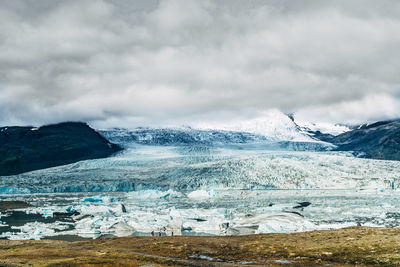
(380, 140)
(25, 149)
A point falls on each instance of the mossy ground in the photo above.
(357, 246)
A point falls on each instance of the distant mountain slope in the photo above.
(25, 149)
(319, 131)
(380, 140)
(192, 137)
(272, 124)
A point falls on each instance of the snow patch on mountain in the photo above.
(323, 127)
(309, 127)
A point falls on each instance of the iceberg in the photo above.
(284, 223)
(95, 199)
(201, 194)
(236, 212)
(35, 230)
(154, 194)
(278, 222)
(174, 227)
(121, 229)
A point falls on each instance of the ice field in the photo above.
(203, 190)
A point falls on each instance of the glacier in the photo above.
(203, 182)
(201, 168)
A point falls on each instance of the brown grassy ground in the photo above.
(356, 246)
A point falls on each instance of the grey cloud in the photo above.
(146, 62)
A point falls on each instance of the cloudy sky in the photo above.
(131, 63)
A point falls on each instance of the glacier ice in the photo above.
(201, 194)
(284, 223)
(94, 199)
(199, 189)
(164, 168)
(323, 127)
(154, 194)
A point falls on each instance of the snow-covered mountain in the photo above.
(273, 127)
(323, 127)
(272, 124)
(210, 138)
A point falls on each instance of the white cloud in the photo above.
(371, 108)
(150, 62)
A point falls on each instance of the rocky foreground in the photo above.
(357, 246)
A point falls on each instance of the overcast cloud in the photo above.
(132, 63)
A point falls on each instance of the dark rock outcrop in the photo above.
(380, 140)
(25, 149)
(321, 136)
(302, 205)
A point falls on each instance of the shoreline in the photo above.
(354, 246)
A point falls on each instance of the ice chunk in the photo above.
(200, 220)
(122, 229)
(37, 230)
(201, 194)
(100, 225)
(154, 194)
(285, 222)
(174, 227)
(277, 222)
(94, 199)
